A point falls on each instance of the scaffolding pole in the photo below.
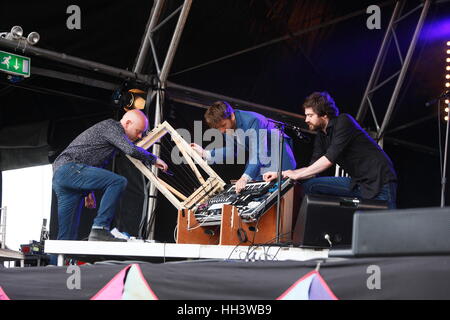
(372, 85)
(162, 77)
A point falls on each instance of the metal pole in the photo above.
(3, 227)
(401, 77)
(171, 86)
(444, 172)
(160, 101)
(378, 62)
(175, 41)
(74, 61)
(279, 181)
(143, 51)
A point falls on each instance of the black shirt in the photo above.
(348, 145)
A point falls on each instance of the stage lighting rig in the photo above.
(129, 97)
(133, 95)
(16, 34)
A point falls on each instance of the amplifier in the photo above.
(402, 232)
(327, 222)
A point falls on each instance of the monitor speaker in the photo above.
(327, 221)
(402, 232)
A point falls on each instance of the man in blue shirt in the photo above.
(252, 132)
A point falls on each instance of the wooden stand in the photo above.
(235, 231)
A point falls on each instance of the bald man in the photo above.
(78, 171)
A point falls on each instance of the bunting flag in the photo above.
(128, 284)
(309, 287)
(3, 295)
(113, 289)
(136, 287)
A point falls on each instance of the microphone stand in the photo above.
(281, 126)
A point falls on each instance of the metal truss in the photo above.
(375, 84)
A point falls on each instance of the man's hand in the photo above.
(291, 174)
(161, 165)
(89, 201)
(269, 176)
(198, 149)
(240, 184)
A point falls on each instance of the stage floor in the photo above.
(91, 251)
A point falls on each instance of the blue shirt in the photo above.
(259, 137)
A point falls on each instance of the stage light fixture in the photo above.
(447, 76)
(448, 51)
(16, 32)
(447, 68)
(447, 84)
(446, 109)
(448, 43)
(448, 60)
(446, 118)
(33, 38)
(447, 101)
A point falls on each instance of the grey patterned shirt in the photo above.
(97, 146)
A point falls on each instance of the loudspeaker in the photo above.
(327, 221)
(402, 232)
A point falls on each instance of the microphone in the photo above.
(445, 94)
(297, 130)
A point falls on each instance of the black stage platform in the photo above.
(406, 277)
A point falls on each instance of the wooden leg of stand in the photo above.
(189, 231)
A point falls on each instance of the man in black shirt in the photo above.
(341, 140)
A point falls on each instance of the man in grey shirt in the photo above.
(78, 171)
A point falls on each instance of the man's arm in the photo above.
(121, 142)
(319, 166)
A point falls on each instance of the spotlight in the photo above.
(448, 43)
(446, 118)
(448, 59)
(447, 101)
(135, 101)
(447, 84)
(129, 99)
(33, 38)
(447, 68)
(446, 109)
(448, 51)
(447, 76)
(16, 32)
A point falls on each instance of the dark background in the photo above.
(337, 58)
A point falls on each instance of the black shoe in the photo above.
(103, 235)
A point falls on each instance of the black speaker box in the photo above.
(402, 232)
(322, 215)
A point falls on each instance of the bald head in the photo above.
(135, 123)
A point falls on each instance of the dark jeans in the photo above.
(340, 186)
(72, 182)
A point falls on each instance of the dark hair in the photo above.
(322, 104)
(217, 112)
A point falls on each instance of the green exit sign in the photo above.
(14, 64)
